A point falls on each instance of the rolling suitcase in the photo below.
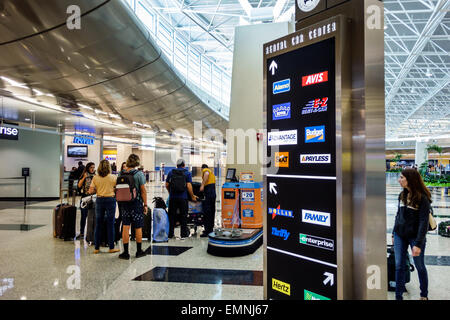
(391, 268)
(444, 229)
(64, 220)
(90, 232)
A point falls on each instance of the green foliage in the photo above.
(434, 147)
(397, 157)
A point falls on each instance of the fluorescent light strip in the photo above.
(303, 257)
(300, 177)
(85, 107)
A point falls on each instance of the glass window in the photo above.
(206, 75)
(146, 17)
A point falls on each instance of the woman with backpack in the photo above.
(104, 185)
(132, 198)
(83, 185)
(410, 229)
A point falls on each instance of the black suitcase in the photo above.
(391, 268)
(146, 229)
(444, 229)
(90, 232)
(64, 218)
(196, 190)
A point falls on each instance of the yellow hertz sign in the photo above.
(281, 286)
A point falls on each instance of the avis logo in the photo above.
(317, 105)
(282, 159)
(315, 78)
(315, 134)
(279, 212)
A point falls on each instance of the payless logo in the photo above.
(316, 217)
(279, 212)
(281, 286)
(315, 158)
(315, 106)
(315, 134)
(282, 86)
(315, 79)
(281, 111)
(282, 233)
(282, 159)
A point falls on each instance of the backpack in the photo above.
(126, 188)
(178, 181)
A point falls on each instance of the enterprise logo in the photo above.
(282, 159)
(315, 78)
(281, 138)
(318, 242)
(315, 134)
(279, 212)
(316, 217)
(315, 106)
(315, 158)
(281, 286)
(281, 111)
(281, 86)
(282, 233)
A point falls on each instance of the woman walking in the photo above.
(104, 184)
(410, 229)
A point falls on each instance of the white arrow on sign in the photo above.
(272, 186)
(329, 278)
(273, 66)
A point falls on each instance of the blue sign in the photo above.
(282, 86)
(315, 134)
(247, 213)
(281, 111)
(83, 140)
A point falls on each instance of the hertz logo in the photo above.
(282, 159)
(281, 286)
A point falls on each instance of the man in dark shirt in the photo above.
(179, 199)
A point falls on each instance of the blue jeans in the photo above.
(104, 207)
(400, 249)
(84, 214)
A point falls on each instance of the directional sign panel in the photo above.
(301, 186)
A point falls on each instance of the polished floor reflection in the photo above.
(34, 265)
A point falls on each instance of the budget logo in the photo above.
(281, 111)
(281, 286)
(318, 242)
(315, 134)
(315, 106)
(282, 233)
(282, 86)
(315, 79)
(316, 217)
(279, 212)
(308, 295)
(281, 138)
(315, 158)
(282, 159)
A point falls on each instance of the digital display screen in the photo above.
(231, 173)
(77, 151)
(301, 197)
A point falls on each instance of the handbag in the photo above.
(432, 225)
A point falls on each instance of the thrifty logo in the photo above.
(282, 233)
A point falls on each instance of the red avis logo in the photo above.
(315, 78)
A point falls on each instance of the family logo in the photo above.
(316, 217)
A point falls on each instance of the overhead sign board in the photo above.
(9, 133)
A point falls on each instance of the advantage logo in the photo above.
(315, 79)
(281, 86)
(315, 134)
(318, 242)
(281, 111)
(315, 106)
(282, 159)
(308, 295)
(281, 286)
(315, 158)
(282, 233)
(316, 217)
(281, 138)
(279, 212)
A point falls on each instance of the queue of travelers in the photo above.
(105, 185)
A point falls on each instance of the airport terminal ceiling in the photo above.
(115, 67)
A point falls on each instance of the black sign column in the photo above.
(303, 78)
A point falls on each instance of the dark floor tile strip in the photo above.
(166, 250)
(20, 227)
(204, 276)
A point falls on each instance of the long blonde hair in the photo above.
(104, 168)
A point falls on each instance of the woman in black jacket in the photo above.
(411, 227)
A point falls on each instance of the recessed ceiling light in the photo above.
(27, 119)
(32, 110)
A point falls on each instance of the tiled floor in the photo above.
(33, 265)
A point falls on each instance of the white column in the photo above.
(123, 151)
(421, 152)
